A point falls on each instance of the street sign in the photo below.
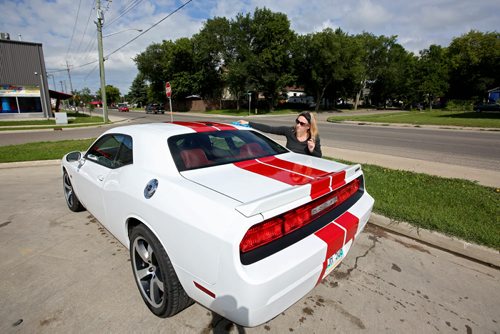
(168, 89)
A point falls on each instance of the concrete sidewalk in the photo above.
(456, 246)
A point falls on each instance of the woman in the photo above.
(302, 138)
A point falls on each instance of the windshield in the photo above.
(197, 150)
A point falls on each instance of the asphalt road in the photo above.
(62, 272)
(478, 149)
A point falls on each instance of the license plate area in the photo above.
(334, 261)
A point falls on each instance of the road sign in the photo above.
(168, 89)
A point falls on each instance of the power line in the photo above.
(74, 28)
(133, 39)
(154, 25)
(131, 5)
(86, 26)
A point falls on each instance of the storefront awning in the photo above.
(59, 95)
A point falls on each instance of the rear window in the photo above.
(198, 150)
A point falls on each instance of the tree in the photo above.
(474, 64)
(239, 58)
(394, 79)
(373, 53)
(83, 96)
(138, 92)
(210, 57)
(432, 73)
(169, 61)
(112, 94)
(152, 65)
(326, 62)
(271, 67)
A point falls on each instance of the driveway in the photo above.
(63, 272)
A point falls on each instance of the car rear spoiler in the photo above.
(303, 193)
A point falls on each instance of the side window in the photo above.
(125, 154)
(112, 151)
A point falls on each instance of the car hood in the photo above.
(265, 183)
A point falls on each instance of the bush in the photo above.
(459, 105)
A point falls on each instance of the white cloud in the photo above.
(417, 23)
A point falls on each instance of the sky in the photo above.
(68, 33)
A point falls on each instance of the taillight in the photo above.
(279, 226)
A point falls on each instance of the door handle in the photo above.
(100, 177)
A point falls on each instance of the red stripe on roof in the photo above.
(205, 126)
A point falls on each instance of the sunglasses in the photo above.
(301, 123)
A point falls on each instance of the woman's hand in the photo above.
(311, 145)
(242, 122)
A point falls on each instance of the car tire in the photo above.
(153, 272)
(69, 194)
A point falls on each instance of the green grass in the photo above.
(42, 150)
(455, 207)
(458, 208)
(50, 123)
(442, 118)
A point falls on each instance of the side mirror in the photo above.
(73, 156)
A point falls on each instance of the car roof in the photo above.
(153, 139)
(168, 129)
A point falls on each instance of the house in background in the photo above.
(494, 95)
(24, 91)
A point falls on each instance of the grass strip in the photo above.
(442, 118)
(47, 150)
(76, 118)
(458, 208)
(454, 207)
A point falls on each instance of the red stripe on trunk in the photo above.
(297, 168)
(295, 174)
(272, 172)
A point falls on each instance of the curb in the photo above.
(24, 164)
(438, 240)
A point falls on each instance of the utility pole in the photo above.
(69, 75)
(99, 23)
(70, 83)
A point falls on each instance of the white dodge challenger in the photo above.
(218, 214)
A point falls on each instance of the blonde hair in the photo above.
(313, 126)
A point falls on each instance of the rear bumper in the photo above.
(250, 295)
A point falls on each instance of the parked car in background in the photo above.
(123, 107)
(155, 108)
(247, 249)
(487, 107)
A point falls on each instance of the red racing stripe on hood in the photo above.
(205, 126)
